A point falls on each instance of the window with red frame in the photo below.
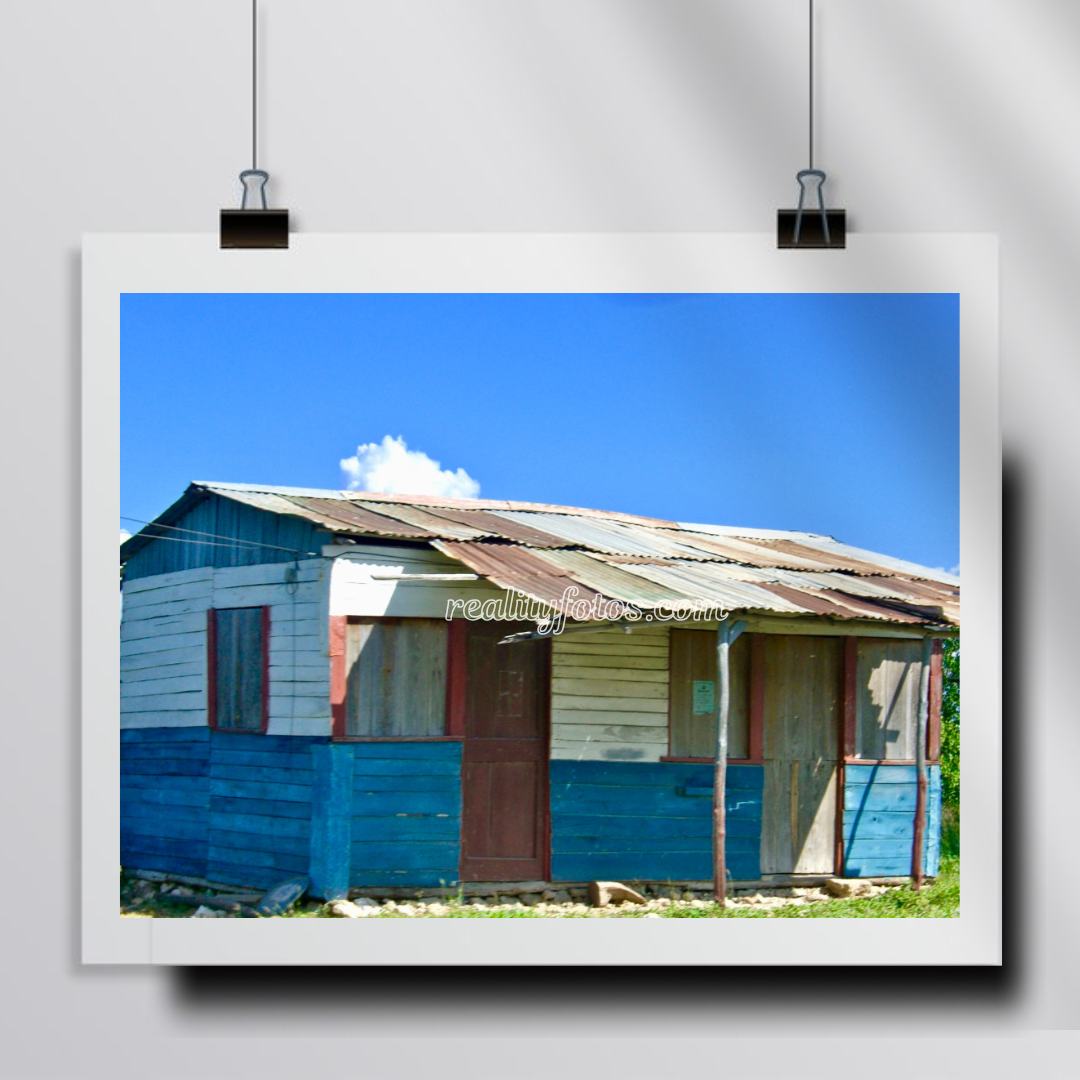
(238, 691)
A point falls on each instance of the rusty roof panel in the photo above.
(611, 580)
(512, 567)
(434, 524)
(696, 581)
(477, 504)
(826, 556)
(609, 537)
(885, 564)
(352, 517)
(540, 549)
(752, 552)
(502, 527)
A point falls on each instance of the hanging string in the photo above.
(255, 82)
(811, 94)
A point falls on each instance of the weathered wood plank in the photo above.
(168, 687)
(192, 653)
(396, 678)
(592, 689)
(404, 766)
(887, 702)
(252, 824)
(260, 773)
(297, 706)
(275, 759)
(648, 866)
(163, 643)
(167, 673)
(269, 843)
(396, 829)
(235, 805)
(167, 767)
(397, 782)
(266, 860)
(624, 663)
(182, 701)
(184, 782)
(565, 721)
(163, 625)
(184, 582)
(136, 797)
(415, 855)
(576, 703)
(405, 803)
(567, 648)
(570, 844)
(620, 734)
(276, 792)
(374, 878)
(163, 735)
(670, 775)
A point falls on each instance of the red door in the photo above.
(505, 764)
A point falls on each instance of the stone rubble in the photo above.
(615, 900)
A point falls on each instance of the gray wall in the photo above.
(130, 115)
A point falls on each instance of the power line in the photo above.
(231, 541)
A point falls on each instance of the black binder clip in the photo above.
(251, 227)
(811, 229)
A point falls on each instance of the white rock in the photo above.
(346, 909)
(366, 901)
(203, 912)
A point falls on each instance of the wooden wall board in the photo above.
(887, 704)
(629, 820)
(800, 745)
(879, 820)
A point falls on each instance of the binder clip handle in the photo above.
(818, 177)
(254, 183)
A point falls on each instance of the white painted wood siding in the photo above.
(609, 695)
(163, 663)
(353, 592)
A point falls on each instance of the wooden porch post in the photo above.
(918, 845)
(726, 636)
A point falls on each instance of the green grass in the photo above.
(939, 900)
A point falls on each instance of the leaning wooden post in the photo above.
(723, 664)
(726, 636)
(920, 764)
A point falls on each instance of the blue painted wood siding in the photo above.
(879, 820)
(226, 518)
(165, 799)
(234, 808)
(640, 821)
(406, 813)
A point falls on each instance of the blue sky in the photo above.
(836, 414)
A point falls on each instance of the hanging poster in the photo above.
(425, 545)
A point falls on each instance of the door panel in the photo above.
(505, 759)
(800, 740)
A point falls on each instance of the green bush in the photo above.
(950, 724)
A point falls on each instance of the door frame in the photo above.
(456, 691)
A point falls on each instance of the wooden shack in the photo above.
(294, 699)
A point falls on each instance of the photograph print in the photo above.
(539, 605)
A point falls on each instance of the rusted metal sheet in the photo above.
(351, 517)
(502, 527)
(611, 581)
(512, 567)
(434, 524)
(540, 550)
(752, 553)
(697, 582)
(609, 537)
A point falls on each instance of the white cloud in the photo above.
(392, 468)
(955, 570)
(124, 535)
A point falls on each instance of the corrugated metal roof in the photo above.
(540, 549)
